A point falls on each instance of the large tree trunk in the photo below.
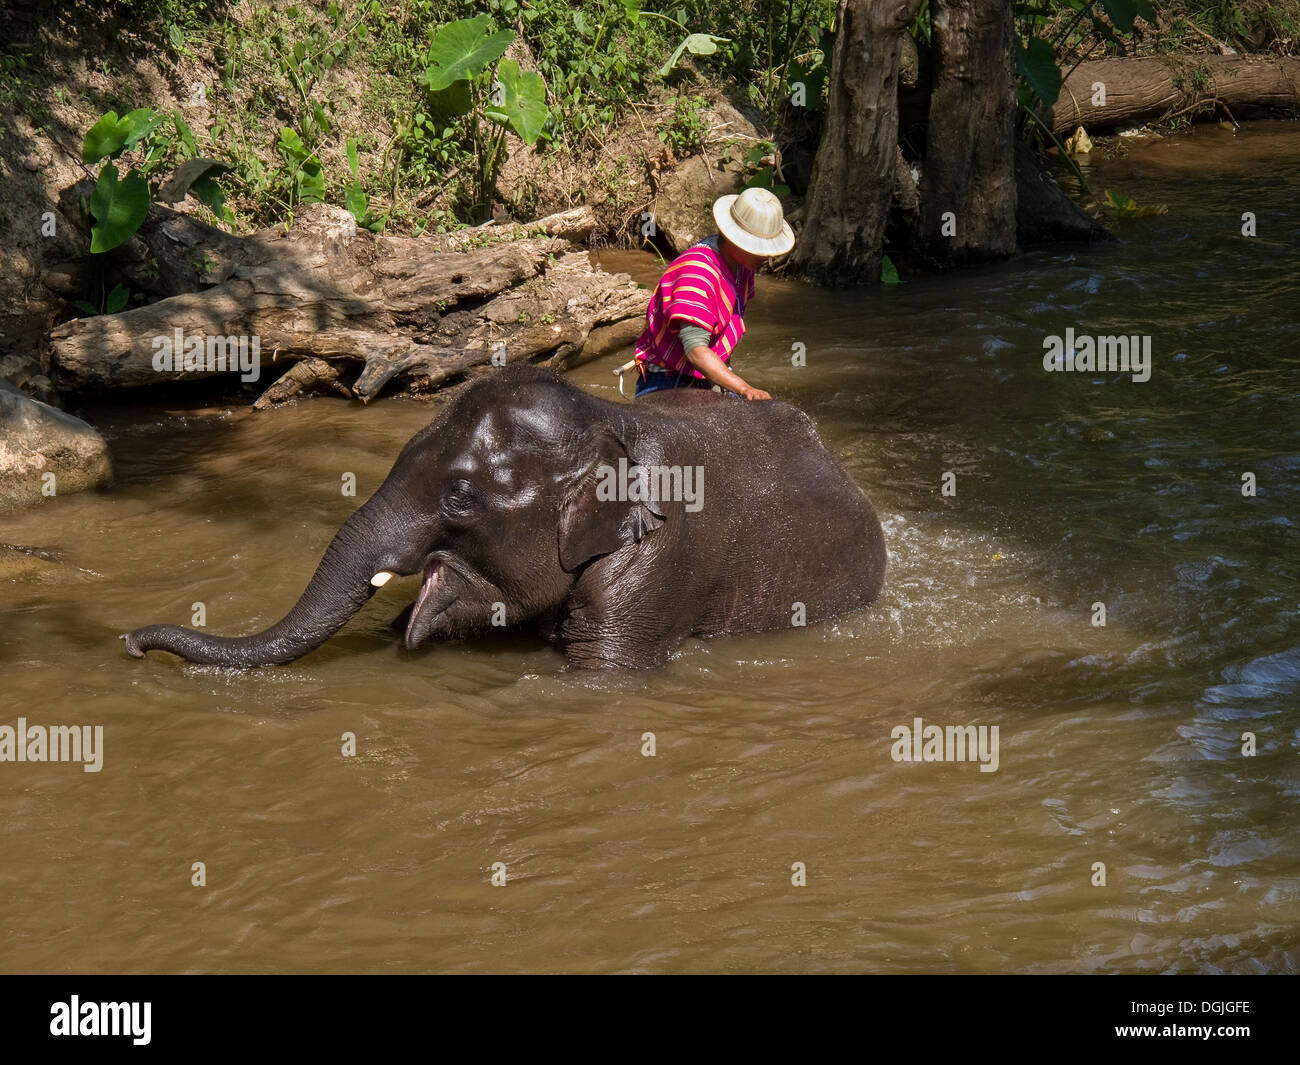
(1105, 93)
(852, 176)
(968, 185)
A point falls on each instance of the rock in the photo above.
(683, 207)
(66, 279)
(26, 373)
(37, 439)
(18, 563)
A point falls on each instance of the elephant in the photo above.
(509, 504)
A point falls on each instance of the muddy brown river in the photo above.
(1119, 744)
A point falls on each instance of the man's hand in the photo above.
(704, 360)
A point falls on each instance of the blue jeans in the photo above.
(658, 382)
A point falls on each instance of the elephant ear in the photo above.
(593, 520)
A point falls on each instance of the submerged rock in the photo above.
(18, 563)
(46, 452)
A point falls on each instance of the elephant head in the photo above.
(493, 504)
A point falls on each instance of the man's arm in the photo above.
(695, 342)
(704, 360)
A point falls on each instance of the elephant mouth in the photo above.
(437, 593)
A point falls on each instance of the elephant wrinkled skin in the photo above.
(503, 504)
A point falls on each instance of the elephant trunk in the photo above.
(338, 589)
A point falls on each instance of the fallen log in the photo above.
(331, 307)
(1156, 88)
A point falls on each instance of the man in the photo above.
(694, 322)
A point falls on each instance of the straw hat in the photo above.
(753, 221)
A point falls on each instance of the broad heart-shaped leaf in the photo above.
(696, 44)
(1122, 13)
(523, 102)
(104, 138)
(703, 43)
(118, 208)
(450, 103)
(463, 50)
(1037, 65)
(1145, 10)
(140, 123)
(111, 134)
(186, 175)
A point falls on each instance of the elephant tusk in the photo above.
(382, 577)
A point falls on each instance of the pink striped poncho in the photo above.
(698, 287)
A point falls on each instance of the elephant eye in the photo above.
(459, 498)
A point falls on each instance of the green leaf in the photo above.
(1121, 12)
(353, 163)
(357, 202)
(765, 179)
(139, 124)
(85, 305)
(184, 133)
(450, 103)
(292, 145)
(888, 271)
(523, 102)
(463, 50)
(311, 183)
(703, 43)
(116, 299)
(1145, 10)
(696, 44)
(1037, 65)
(118, 208)
(210, 194)
(185, 175)
(813, 77)
(322, 120)
(105, 138)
